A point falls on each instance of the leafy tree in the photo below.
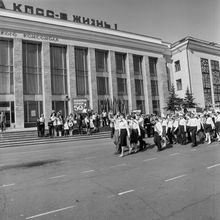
(174, 102)
(188, 101)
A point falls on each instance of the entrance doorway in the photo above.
(8, 109)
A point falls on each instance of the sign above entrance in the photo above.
(60, 15)
(80, 105)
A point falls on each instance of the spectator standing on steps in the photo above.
(2, 121)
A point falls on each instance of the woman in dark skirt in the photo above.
(135, 133)
(123, 134)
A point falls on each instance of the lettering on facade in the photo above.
(29, 36)
(8, 34)
(40, 37)
(63, 16)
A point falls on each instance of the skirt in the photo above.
(208, 128)
(134, 136)
(217, 126)
(123, 137)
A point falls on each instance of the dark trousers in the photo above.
(182, 135)
(193, 131)
(148, 130)
(112, 132)
(188, 134)
(157, 141)
(142, 143)
(170, 135)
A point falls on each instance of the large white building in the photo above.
(47, 62)
(196, 66)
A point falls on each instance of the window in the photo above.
(154, 88)
(140, 105)
(32, 69)
(217, 93)
(137, 60)
(153, 66)
(32, 111)
(179, 84)
(60, 106)
(177, 66)
(214, 65)
(120, 63)
(82, 86)
(122, 86)
(58, 70)
(102, 86)
(156, 106)
(206, 81)
(139, 87)
(101, 61)
(6, 67)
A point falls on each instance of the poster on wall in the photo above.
(80, 105)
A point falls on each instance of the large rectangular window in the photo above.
(6, 67)
(216, 80)
(101, 60)
(60, 106)
(82, 85)
(153, 66)
(32, 69)
(32, 111)
(58, 70)
(140, 105)
(137, 61)
(122, 86)
(102, 86)
(154, 88)
(120, 63)
(156, 106)
(206, 81)
(139, 87)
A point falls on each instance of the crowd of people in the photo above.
(167, 130)
(128, 131)
(78, 123)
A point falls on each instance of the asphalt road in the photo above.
(85, 181)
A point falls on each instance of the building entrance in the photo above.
(8, 109)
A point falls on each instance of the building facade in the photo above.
(195, 65)
(46, 63)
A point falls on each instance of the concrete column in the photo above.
(93, 95)
(18, 84)
(162, 83)
(47, 90)
(71, 76)
(147, 85)
(113, 88)
(130, 83)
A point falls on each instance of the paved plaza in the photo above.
(86, 181)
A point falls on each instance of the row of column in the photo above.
(71, 79)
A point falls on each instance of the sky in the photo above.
(169, 20)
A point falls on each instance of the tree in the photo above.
(173, 102)
(188, 101)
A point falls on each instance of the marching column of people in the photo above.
(128, 132)
(194, 128)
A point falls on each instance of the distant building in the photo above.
(196, 66)
(46, 63)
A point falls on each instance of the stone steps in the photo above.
(24, 139)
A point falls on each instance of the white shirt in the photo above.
(158, 128)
